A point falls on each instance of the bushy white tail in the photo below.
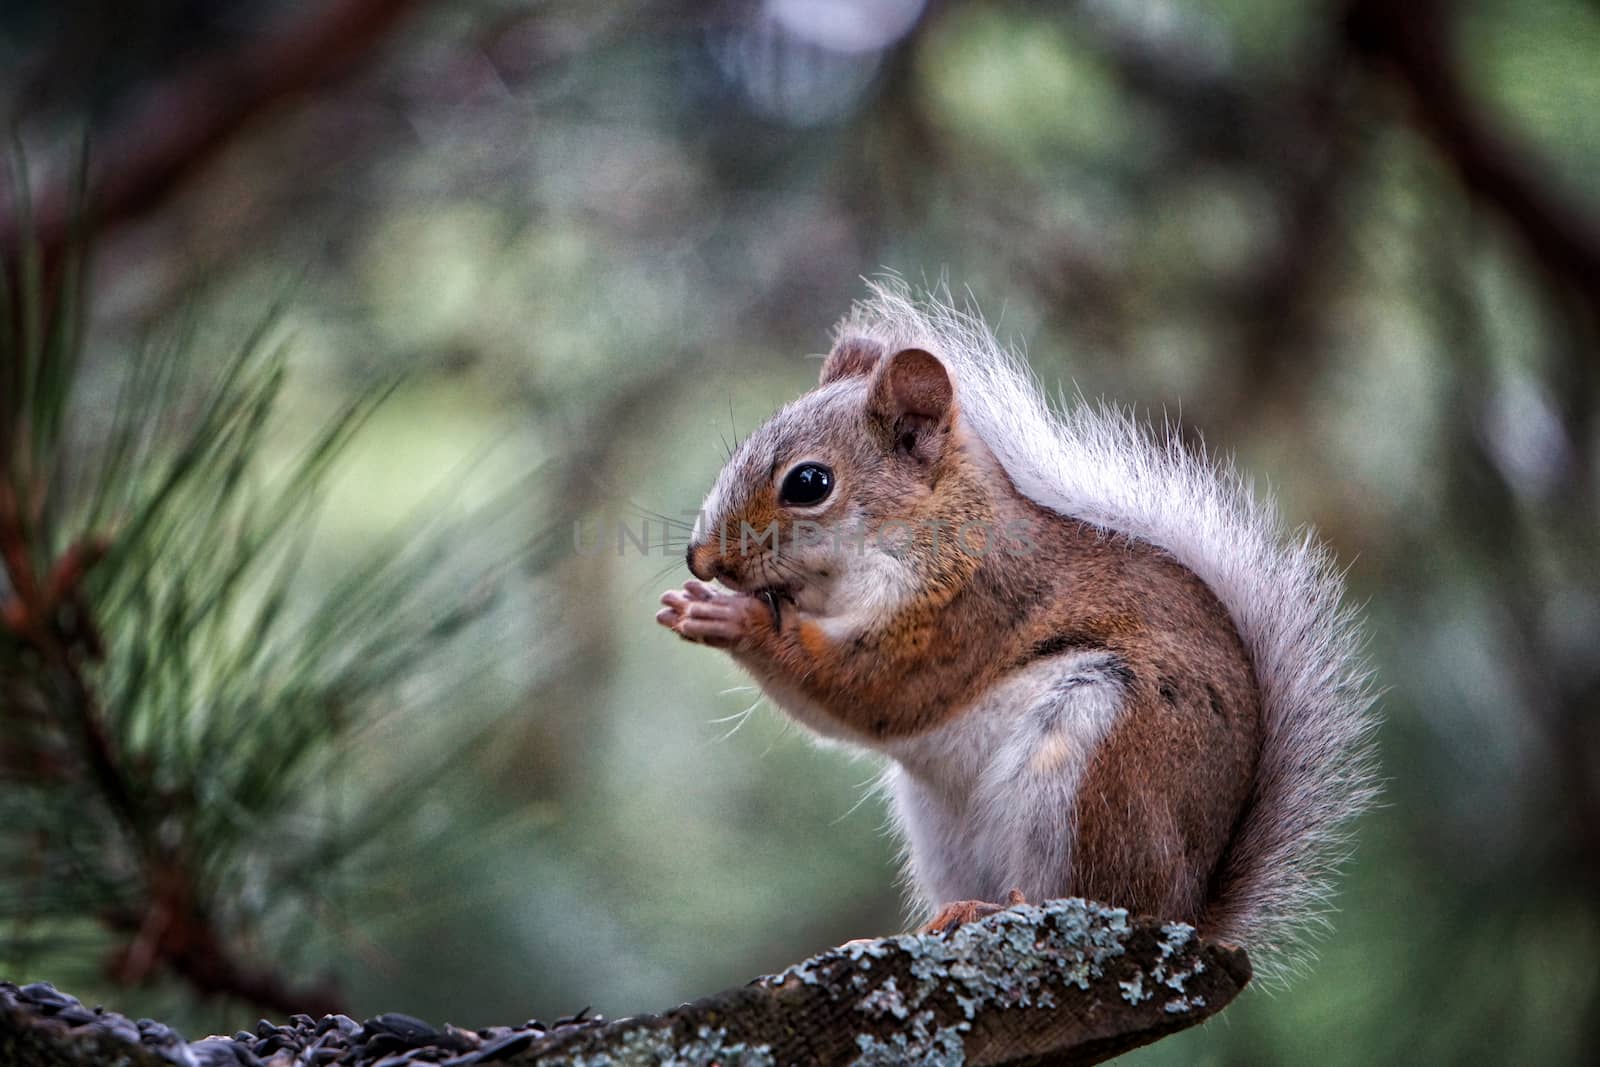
(1102, 465)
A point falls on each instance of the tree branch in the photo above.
(1068, 983)
(184, 122)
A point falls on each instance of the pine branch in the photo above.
(166, 712)
(48, 614)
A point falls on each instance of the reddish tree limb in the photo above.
(182, 123)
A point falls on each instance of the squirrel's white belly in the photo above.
(984, 802)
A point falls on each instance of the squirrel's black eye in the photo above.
(809, 483)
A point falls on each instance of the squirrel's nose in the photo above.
(702, 562)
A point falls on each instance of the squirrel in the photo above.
(1098, 664)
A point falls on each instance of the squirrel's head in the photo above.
(854, 479)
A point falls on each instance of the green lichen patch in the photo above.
(1010, 960)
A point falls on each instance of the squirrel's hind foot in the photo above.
(961, 912)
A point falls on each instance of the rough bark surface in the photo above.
(1071, 982)
(31, 1040)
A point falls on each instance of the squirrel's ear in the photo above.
(851, 356)
(912, 386)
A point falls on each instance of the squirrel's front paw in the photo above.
(710, 616)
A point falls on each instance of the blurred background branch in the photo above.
(180, 121)
(1414, 43)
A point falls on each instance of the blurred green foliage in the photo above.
(601, 238)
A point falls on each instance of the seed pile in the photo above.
(388, 1040)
